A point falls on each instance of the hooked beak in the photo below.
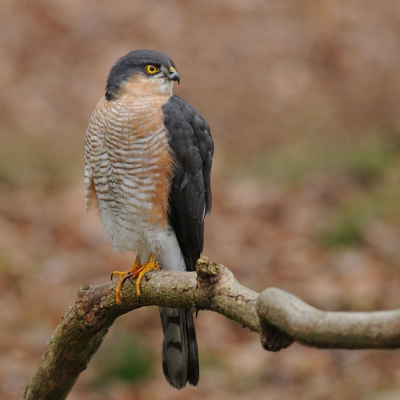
(173, 75)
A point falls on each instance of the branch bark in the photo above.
(322, 329)
(277, 316)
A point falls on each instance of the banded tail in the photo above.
(180, 356)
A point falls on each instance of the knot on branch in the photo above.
(207, 271)
(272, 338)
(278, 316)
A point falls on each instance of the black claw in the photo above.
(112, 276)
(126, 277)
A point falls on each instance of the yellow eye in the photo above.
(152, 69)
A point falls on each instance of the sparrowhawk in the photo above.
(148, 156)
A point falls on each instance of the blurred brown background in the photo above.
(303, 100)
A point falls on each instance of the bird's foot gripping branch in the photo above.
(277, 316)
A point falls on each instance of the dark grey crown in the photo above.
(131, 63)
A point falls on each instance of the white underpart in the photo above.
(123, 170)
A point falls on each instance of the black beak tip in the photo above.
(174, 76)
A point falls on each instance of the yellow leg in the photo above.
(123, 276)
(136, 272)
(151, 265)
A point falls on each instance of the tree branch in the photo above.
(316, 328)
(278, 317)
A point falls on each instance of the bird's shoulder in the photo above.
(178, 111)
(189, 131)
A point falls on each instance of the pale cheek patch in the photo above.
(141, 85)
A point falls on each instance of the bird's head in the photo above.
(142, 72)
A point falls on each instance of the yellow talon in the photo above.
(136, 272)
(151, 265)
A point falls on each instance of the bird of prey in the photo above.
(148, 156)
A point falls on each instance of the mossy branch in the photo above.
(277, 316)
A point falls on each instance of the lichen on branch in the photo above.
(279, 317)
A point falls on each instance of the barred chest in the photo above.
(132, 171)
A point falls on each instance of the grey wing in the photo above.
(190, 195)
